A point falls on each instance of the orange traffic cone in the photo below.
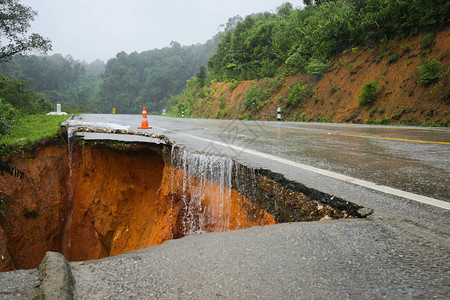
(144, 120)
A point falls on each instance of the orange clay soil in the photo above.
(121, 201)
(334, 97)
(128, 202)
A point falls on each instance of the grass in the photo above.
(29, 129)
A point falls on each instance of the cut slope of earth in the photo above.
(400, 98)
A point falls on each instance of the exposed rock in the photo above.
(56, 278)
(364, 212)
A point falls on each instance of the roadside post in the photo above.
(279, 113)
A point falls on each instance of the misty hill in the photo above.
(60, 79)
(127, 82)
(134, 80)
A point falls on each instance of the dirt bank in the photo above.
(334, 97)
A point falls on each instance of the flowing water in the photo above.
(199, 171)
(66, 243)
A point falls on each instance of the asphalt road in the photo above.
(411, 159)
(365, 161)
(401, 251)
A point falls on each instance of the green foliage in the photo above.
(299, 117)
(152, 77)
(29, 129)
(233, 84)
(127, 82)
(15, 21)
(431, 71)
(222, 102)
(298, 93)
(293, 40)
(8, 115)
(322, 119)
(316, 2)
(59, 79)
(427, 41)
(383, 121)
(316, 67)
(256, 97)
(222, 113)
(17, 93)
(201, 76)
(260, 92)
(393, 58)
(439, 123)
(369, 93)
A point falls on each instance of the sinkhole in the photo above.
(97, 199)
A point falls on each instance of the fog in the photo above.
(89, 30)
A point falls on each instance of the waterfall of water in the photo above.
(200, 208)
(66, 242)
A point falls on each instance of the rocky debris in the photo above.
(56, 278)
(120, 131)
(291, 201)
(364, 212)
(92, 128)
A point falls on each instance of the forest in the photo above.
(150, 78)
(127, 82)
(297, 40)
(58, 79)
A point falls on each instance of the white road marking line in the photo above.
(345, 178)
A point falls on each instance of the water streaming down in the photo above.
(65, 247)
(199, 173)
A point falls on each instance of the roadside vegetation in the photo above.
(307, 39)
(294, 41)
(23, 119)
(29, 129)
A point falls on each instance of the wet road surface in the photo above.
(411, 159)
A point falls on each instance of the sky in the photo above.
(99, 29)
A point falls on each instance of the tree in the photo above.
(201, 75)
(285, 9)
(232, 22)
(15, 21)
(17, 93)
(316, 2)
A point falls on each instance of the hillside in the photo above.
(399, 97)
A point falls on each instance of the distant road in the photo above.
(411, 159)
